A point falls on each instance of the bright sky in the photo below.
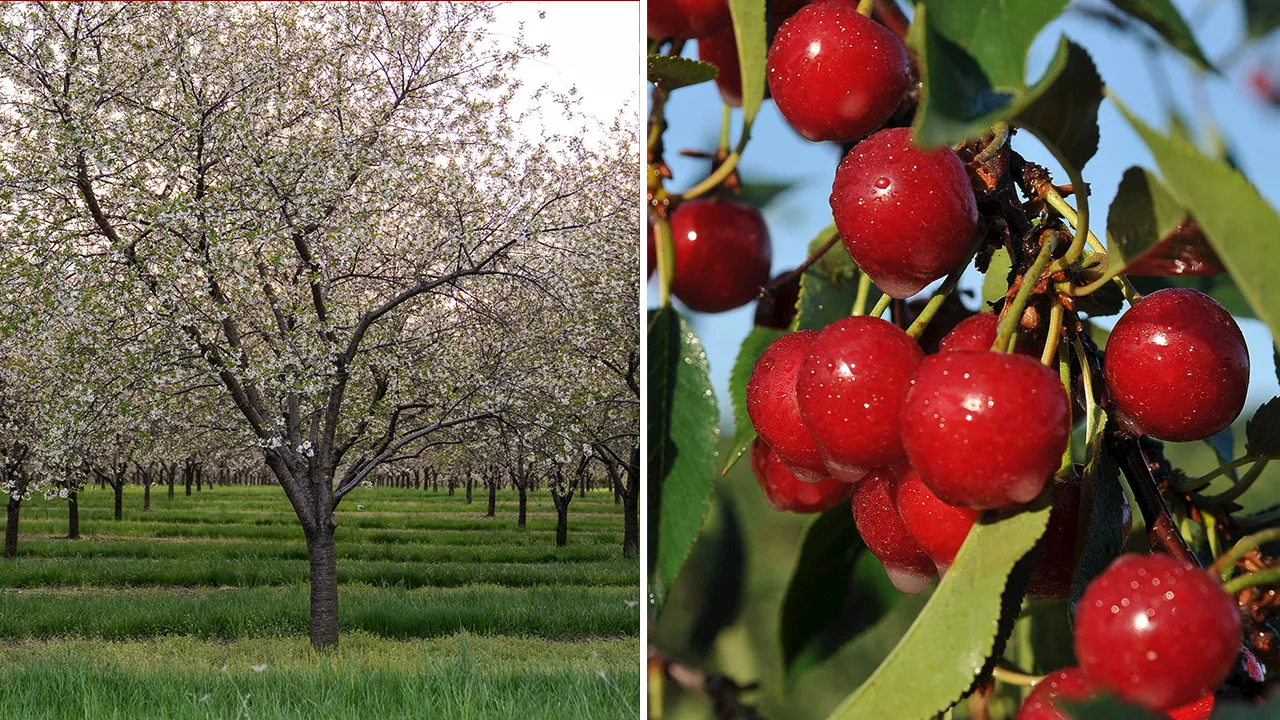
(593, 46)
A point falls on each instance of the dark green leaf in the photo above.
(1106, 300)
(749, 30)
(1106, 502)
(995, 284)
(684, 428)
(752, 347)
(760, 194)
(670, 72)
(996, 33)
(957, 100)
(1260, 17)
(837, 592)
(719, 597)
(828, 288)
(1142, 214)
(1262, 434)
(1219, 287)
(1269, 710)
(1223, 443)
(1106, 708)
(953, 637)
(1062, 109)
(1240, 225)
(1165, 19)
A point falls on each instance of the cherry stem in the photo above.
(713, 180)
(881, 305)
(999, 137)
(1162, 533)
(1013, 311)
(1270, 576)
(724, 129)
(1216, 502)
(1203, 481)
(864, 7)
(948, 286)
(1224, 566)
(1064, 377)
(783, 280)
(665, 251)
(1081, 216)
(864, 289)
(1054, 337)
(1013, 677)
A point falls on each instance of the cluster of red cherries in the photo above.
(921, 445)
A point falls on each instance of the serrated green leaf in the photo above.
(684, 428)
(950, 642)
(1143, 214)
(1164, 18)
(718, 596)
(828, 287)
(837, 592)
(760, 194)
(996, 33)
(1260, 17)
(995, 284)
(1238, 222)
(752, 348)
(1105, 540)
(1062, 108)
(670, 72)
(1262, 433)
(1106, 300)
(957, 99)
(749, 30)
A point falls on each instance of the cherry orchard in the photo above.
(995, 474)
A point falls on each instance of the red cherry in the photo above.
(906, 564)
(688, 18)
(938, 528)
(1199, 710)
(907, 216)
(772, 407)
(784, 491)
(1176, 366)
(652, 256)
(1156, 631)
(1051, 577)
(985, 429)
(1068, 684)
(778, 309)
(721, 50)
(722, 254)
(836, 74)
(850, 391)
(976, 332)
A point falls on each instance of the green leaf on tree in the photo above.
(957, 99)
(837, 592)
(1105, 540)
(671, 72)
(1144, 225)
(1262, 433)
(752, 348)
(1164, 18)
(828, 287)
(953, 637)
(1239, 711)
(1062, 108)
(1223, 444)
(995, 284)
(1260, 18)
(684, 429)
(760, 194)
(1106, 300)
(1106, 708)
(996, 33)
(1238, 222)
(749, 30)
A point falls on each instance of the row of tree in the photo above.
(321, 238)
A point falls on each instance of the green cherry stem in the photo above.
(1013, 311)
(665, 251)
(864, 289)
(1081, 224)
(948, 286)
(1229, 495)
(724, 128)
(1013, 677)
(1270, 576)
(881, 305)
(864, 6)
(1054, 337)
(1225, 565)
(1199, 483)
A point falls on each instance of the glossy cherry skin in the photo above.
(1156, 631)
(778, 309)
(1051, 577)
(984, 429)
(784, 491)
(850, 389)
(688, 18)
(907, 565)
(1198, 710)
(938, 528)
(1068, 684)
(721, 50)
(836, 74)
(722, 254)
(774, 412)
(1176, 366)
(906, 216)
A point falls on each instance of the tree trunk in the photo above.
(187, 478)
(631, 508)
(524, 504)
(73, 516)
(562, 524)
(493, 495)
(118, 487)
(171, 483)
(199, 479)
(324, 588)
(146, 495)
(11, 528)
(468, 489)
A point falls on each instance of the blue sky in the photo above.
(777, 153)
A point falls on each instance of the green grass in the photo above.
(444, 612)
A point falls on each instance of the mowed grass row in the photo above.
(194, 571)
(458, 676)
(545, 612)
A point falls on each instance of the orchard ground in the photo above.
(198, 609)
